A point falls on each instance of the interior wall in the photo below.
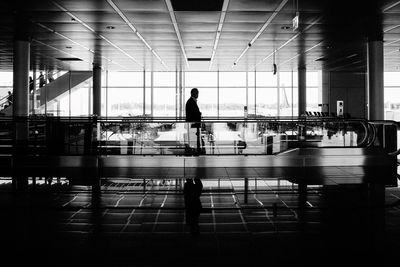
(349, 87)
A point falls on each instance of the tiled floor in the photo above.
(145, 225)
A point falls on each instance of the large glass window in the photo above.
(287, 93)
(6, 84)
(207, 100)
(125, 93)
(125, 101)
(232, 94)
(232, 101)
(392, 95)
(313, 97)
(221, 94)
(164, 91)
(206, 82)
(164, 102)
(201, 79)
(267, 101)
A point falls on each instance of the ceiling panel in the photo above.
(340, 27)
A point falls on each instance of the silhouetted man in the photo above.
(192, 191)
(42, 80)
(9, 98)
(30, 84)
(193, 114)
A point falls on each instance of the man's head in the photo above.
(9, 92)
(194, 93)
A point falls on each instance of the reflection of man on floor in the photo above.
(192, 191)
(193, 115)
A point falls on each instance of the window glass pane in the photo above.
(286, 101)
(207, 101)
(125, 101)
(232, 101)
(148, 101)
(392, 103)
(232, 79)
(164, 79)
(285, 79)
(121, 79)
(267, 99)
(6, 84)
(251, 100)
(59, 106)
(391, 79)
(312, 99)
(6, 78)
(200, 79)
(80, 101)
(251, 78)
(312, 78)
(266, 79)
(164, 102)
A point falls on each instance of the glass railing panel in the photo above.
(146, 136)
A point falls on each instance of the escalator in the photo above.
(51, 90)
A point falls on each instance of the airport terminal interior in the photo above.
(285, 155)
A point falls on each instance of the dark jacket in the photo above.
(193, 113)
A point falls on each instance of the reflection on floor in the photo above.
(143, 222)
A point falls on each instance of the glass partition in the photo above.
(143, 136)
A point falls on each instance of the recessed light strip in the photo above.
(277, 10)
(391, 28)
(130, 25)
(391, 6)
(219, 30)
(95, 32)
(175, 24)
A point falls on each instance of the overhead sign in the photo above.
(296, 22)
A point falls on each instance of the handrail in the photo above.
(180, 120)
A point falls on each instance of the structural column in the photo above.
(21, 64)
(375, 80)
(302, 90)
(375, 61)
(21, 78)
(97, 90)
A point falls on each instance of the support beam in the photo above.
(21, 78)
(302, 100)
(97, 90)
(375, 81)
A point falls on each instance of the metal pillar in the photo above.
(20, 103)
(375, 81)
(302, 100)
(97, 90)
(21, 78)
